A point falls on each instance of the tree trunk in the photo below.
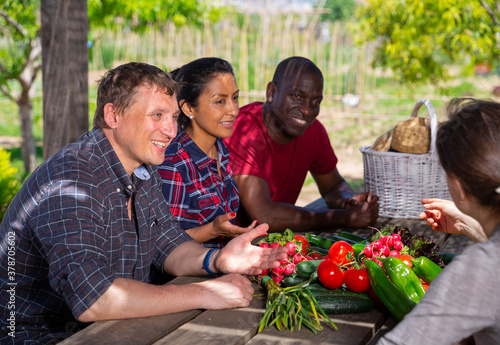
(28, 141)
(65, 72)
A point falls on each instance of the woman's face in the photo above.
(217, 108)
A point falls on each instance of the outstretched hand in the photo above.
(444, 216)
(240, 256)
(224, 227)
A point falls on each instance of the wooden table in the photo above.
(239, 326)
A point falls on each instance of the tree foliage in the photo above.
(339, 10)
(139, 14)
(19, 25)
(415, 38)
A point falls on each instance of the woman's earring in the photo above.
(190, 117)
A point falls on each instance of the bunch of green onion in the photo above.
(292, 307)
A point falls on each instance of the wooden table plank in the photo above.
(145, 330)
(388, 326)
(228, 326)
(353, 329)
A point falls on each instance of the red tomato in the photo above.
(338, 252)
(315, 256)
(305, 244)
(357, 280)
(330, 274)
(425, 285)
(406, 259)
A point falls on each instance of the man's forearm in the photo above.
(177, 265)
(127, 298)
(337, 196)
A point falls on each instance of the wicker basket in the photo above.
(402, 180)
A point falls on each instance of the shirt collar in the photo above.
(113, 165)
(197, 155)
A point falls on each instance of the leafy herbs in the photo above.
(292, 307)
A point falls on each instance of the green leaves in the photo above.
(138, 15)
(415, 38)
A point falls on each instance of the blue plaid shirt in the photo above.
(67, 235)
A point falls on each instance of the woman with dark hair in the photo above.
(197, 180)
(464, 299)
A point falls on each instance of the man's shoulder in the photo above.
(76, 161)
(249, 120)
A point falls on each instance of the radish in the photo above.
(291, 247)
(297, 258)
(368, 251)
(390, 241)
(277, 279)
(394, 253)
(289, 269)
(274, 245)
(264, 245)
(398, 245)
(376, 245)
(278, 271)
(284, 262)
(396, 237)
(384, 250)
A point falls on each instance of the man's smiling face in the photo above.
(295, 104)
(145, 129)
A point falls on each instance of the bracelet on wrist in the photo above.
(206, 263)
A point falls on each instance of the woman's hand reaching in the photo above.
(444, 216)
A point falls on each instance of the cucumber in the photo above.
(447, 257)
(320, 250)
(320, 290)
(293, 280)
(353, 237)
(338, 238)
(339, 304)
(305, 268)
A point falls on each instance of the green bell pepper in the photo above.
(404, 278)
(398, 304)
(425, 268)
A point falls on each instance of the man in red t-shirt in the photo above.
(273, 146)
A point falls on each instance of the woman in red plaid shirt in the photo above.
(197, 180)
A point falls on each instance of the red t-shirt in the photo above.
(284, 167)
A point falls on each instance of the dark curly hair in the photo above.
(193, 79)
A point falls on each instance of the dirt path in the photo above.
(350, 166)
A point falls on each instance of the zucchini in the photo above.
(447, 257)
(305, 268)
(318, 241)
(339, 304)
(353, 237)
(338, 238)
(293, 280)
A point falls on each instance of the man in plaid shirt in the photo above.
(82, 234)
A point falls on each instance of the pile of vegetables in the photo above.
(345, 274)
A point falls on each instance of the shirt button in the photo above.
(129, 186)
(118, 190)
(126, 203)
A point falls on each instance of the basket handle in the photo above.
(433, 120)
